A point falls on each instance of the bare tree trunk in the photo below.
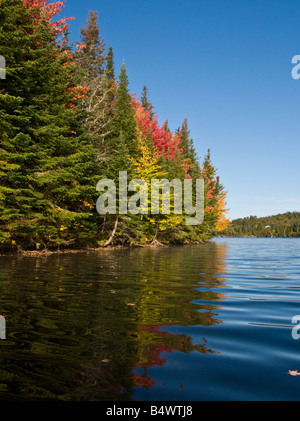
(113, 233)
(156, 232)
(155, 242)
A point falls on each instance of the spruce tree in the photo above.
(189, 151)
(166, 126)
(213, 191)
(47, 173)
(111, 85)
(110, 66)
(146, 103)
(97, 77)
(92, 55)
(124, 121)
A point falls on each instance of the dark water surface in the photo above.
(207, 322)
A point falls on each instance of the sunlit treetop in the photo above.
(42, 9)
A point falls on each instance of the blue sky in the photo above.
(225, 65)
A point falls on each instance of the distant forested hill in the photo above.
(281, 225)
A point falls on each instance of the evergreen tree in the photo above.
(189, 151)
(214, 199)
(147, 105)
(110, 84)
(110, 66)
(124, 121)
(166, 126)
(47, 166)
(92, 49)
(97, 78)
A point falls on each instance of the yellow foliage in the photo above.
(88, 205)
(146, 167)
(222, 221)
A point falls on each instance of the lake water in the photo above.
(200, 322)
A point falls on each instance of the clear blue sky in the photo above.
(225, 65)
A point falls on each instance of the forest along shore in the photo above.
(67, 122)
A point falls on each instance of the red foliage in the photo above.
(142, 381)
(165, 143)
(44, 10)
(79, 92)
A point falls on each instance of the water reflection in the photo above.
(171, 298)
(96, 326)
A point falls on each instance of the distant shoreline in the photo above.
(282, 225)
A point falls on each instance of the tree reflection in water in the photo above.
(91, 326)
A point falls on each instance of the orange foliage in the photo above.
(215, 198)
(165, 143)
(222, 221)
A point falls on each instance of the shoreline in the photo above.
(47, 252)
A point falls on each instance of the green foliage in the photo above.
(96, 73)
(146, 103)
(189, 151)
(47, 163)
(124, 124)
(92, 57)
(110, 67)
(65, 123)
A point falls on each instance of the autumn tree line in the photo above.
(280, 225)
(67, 120)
